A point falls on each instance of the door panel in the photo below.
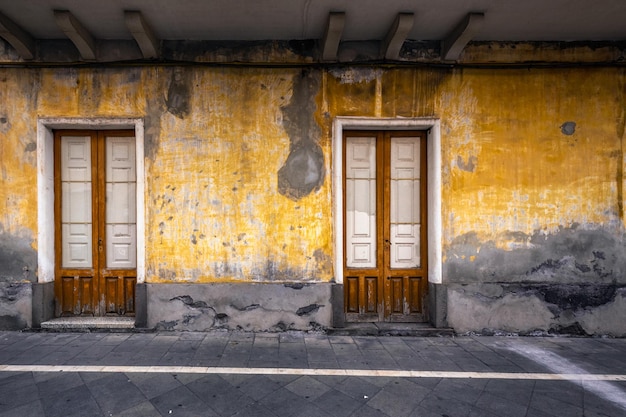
(76, 221)
(120, 203)
(361, 202)
(385, 234)
(95, 204)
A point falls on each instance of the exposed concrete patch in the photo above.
(15, 305)
(530, 309)
(607, 318)
(18, 260)
(249, 307)
(303, 172)
(471, 310)
(571, 255)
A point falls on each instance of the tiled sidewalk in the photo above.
(300, 374)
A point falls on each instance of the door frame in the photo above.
(433, 158)
(46, 256)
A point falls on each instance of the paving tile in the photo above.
(143, 409)
(367, 411)
(31, 409)
(312, 410)
(73, 402)
(456, 389)
(553, 406)
(17, 390)
(444, 406)
(513, 390)
(501, 407)
(258, 386)
(254, 410)
(115, 393)
(338, 404)
(308, 387)
(153, 385)
(181, 402)
(283, 402)
(358, 388)
(58, 382)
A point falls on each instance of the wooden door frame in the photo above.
(46, 257)
(104, 298)
(359, 291)
(433, 138)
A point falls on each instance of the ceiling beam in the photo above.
(332, 36)
(143, 34)
(398, 32)
(454, 44)
(77, 33)
(19, 39)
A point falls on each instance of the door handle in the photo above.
(100, 245)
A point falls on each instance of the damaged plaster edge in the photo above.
(45, 185)
(433, 149)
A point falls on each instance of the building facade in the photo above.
(257, 187)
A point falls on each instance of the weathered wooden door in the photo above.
(95, 216)
(385, 271)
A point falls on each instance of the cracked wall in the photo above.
(238, 187)
(248, 307)
(533, 201)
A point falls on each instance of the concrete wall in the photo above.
(239, 197)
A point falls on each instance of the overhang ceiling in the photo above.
(505, 20)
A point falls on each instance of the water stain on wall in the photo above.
(303, 172)
(178, 94)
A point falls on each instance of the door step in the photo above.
(390, 329)
(69, 324)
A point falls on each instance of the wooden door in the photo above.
(385, 271)
(95, 200)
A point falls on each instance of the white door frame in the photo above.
(433, 148)
(45, 186)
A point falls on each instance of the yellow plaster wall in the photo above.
(215, 211)
(508, 167)
(212, 205)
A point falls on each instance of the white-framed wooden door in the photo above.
(385, 271)
(95, 200)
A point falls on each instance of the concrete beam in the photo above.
(398, 32)
(143, 34)
(77, 33)
(332, 36)
(19, 39)
(454, 44)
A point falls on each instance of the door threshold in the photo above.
(89, 324)
(390, 329)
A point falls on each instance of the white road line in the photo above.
(315, 372)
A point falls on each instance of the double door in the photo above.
(95, 215)
(385, 271)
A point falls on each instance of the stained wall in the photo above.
(238, 178)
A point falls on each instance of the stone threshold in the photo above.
(390, 329)
(89, 324)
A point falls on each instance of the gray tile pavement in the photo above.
(358, 376)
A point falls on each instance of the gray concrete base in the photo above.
(244, 306)
(437, 305)
(536, 309)
(43, 303)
